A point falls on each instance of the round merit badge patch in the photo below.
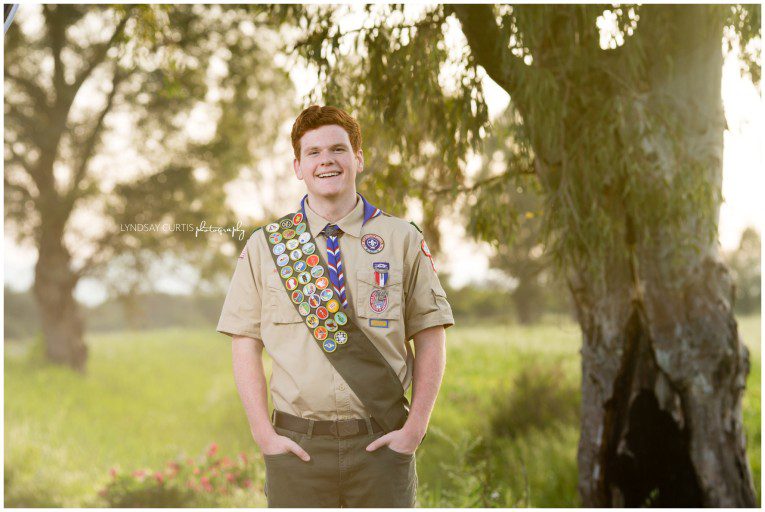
(378, 301)
(372, 243)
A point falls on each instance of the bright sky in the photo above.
(465, 260)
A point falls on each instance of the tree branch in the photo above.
(57, 39)
(35, 92)
(488, 45)
(18, 187)
(99, 52)
(88, 148)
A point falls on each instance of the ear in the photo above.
(360, 159)
(298, 170)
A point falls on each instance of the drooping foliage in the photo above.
(582, 81)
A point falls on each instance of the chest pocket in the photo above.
(375, 301)
(280, 309)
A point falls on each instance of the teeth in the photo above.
(328, 174)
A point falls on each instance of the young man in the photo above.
(334, 291)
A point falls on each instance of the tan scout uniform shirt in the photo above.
(303, 381)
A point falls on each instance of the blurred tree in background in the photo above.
(618, 112)
(744, 262)
(80, 79)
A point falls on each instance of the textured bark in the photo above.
(663, 367)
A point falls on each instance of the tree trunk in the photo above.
(527, 299)
(663, 367)
(54, 284)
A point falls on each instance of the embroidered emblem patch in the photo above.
(312, 321)
(340, 318)
(378, 301)
(372, 243)
(273, 227)
(341, 337)
(378, 322)
(426, 252)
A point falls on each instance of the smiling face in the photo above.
(327, 163)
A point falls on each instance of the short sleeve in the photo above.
(242, 308)
(426, 304)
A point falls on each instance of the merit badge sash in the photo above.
(305, 278)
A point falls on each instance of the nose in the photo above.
(326, 158)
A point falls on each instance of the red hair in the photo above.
(315, 116)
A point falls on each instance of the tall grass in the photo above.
(504, 431)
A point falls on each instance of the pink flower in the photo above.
(212, 450)
(243, 457)
(230, 477)
(248, 483)
(113, 472)
(226, 462)
(196, 471)
(139, 473)
(160, 479)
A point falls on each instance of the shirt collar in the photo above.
(352, 223)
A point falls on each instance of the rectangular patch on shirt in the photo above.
(376, 322)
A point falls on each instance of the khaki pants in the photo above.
(341, 473)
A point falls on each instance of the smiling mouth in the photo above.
(329, 174)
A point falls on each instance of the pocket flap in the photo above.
(282, 310)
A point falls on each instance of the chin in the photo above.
(331, 192)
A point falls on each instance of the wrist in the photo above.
(415, 429)
(262, 435)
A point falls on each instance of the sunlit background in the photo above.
(153, 417)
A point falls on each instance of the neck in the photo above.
(333, 209)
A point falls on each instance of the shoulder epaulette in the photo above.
(415, 226)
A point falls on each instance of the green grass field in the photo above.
(504, 432)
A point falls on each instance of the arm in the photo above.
(247, 358)
(429, 365)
